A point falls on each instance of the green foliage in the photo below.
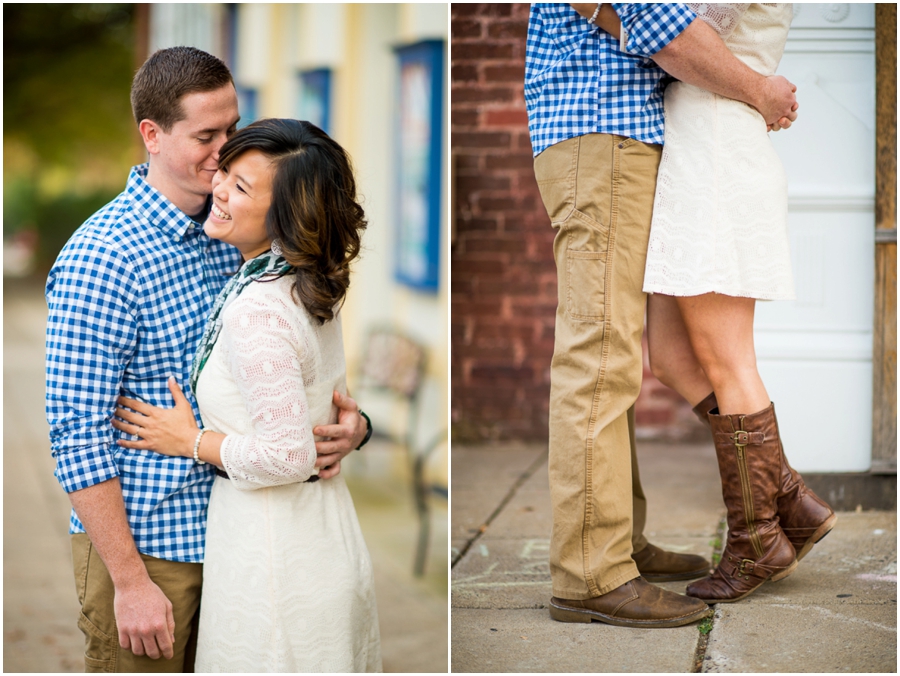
(53, 218)
(706, 626)
(67, 72)
(67, 124)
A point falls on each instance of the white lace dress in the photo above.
(720, 213)
(287, 579)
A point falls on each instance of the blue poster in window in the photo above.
(419, 148)
(314, 98)
(247, 106)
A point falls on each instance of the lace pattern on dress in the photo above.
(722, 18)
(264, 348)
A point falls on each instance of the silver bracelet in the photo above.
(595, 14)
(197, 448)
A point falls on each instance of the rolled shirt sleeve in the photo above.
(92, 332)
(648, 27)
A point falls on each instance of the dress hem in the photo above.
(722, 292)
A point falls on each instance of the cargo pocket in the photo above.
(100, 649)
(586, 258)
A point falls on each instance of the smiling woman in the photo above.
(242, 194)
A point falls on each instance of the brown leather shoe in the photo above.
(804, 517)
(757, 550)
(657, 565)
(636, 603)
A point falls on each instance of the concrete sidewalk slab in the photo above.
(802, 638)
(528, 641)
(837, 612)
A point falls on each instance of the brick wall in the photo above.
(503, 284)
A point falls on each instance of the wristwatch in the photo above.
(368, 431)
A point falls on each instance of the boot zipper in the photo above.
(748, 496)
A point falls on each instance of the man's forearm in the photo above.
(700, 58)
(101, 510)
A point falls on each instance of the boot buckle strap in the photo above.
(746, 567)
(741, 438)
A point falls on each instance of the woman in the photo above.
(287, 580)
(718, 243)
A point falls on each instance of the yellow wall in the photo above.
(357, 41)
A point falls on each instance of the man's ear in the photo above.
(150, 133)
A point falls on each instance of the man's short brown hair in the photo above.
(167, 76)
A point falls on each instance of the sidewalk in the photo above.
(836, 613)
(39, 603)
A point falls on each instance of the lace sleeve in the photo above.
(265, 349)
(722, 18)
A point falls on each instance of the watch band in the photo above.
(368, 431)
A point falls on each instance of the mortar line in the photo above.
(525, 476)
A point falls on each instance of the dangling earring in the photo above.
(276, 247)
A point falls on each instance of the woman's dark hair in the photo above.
(314, 212)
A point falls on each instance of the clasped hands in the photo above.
(172, 431)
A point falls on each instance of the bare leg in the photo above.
(721, 332)
(672, 358)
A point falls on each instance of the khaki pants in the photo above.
(180, 582)
(598, 190)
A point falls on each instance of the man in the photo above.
(128, 297)
(596, 123)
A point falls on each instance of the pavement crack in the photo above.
(525, 476)
(707, 625)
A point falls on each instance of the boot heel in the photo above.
(562, 615)
(784, 573)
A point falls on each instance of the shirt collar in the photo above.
(158, 210)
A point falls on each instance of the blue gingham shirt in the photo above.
(128, 298)
(579, 81)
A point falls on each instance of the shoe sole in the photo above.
(817, 537)
(674, 577)
(775, 578)
(564, 614)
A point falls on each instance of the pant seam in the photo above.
(592, 584)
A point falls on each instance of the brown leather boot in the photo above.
(804, 517)
(637, 603)
(757, 550)
(658, 565)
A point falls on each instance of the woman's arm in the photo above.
(170, 431)
(264, 346)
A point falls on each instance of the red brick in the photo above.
(464, 28)
(506, 73)
(466, 160)
(469, 184)
(463, 118)
(480, 139)
(498, 244)
(507, 117)
(514, 28)
(487, 204)
(464, 9)
(479, 51)
(516, 160)
(467, 73)
(486, 224)
(495, 9)
(473, 94)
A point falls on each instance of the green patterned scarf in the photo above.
(264, 265)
